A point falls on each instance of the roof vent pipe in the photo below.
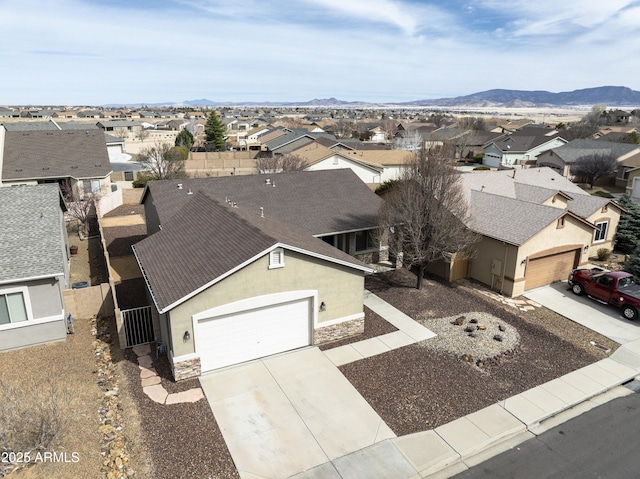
(261, 212)
(190, 192)
(179, 186)
(268, 181)
(274, 184)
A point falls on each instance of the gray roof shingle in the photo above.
(55, 154)
(575, 149)
(508, 219)
(31, 232)
(207, 239)
(315, 202)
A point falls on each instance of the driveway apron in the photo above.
(601, 318)
(288, 413)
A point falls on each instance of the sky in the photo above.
(98, 52)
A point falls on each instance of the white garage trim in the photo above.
(259, 302)
(254, 328)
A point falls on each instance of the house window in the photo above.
(561, 222)
(12, 308)
(128, 176)
(276, 258)
(600, 233)
(364, 241)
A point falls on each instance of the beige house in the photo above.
(535, 225)
(231, 284)
(242, 267)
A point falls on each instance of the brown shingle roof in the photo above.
(316, 202)
(208, 239)
(55, 154)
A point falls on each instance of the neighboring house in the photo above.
(536, 226)
(8, 113)
(89, 114)
(562, 158)
(320, 157)
(77, 156)
(520, 147)
(115, 127)
(629, 175)
(34, 266)
(235, 272)
(373, 167)
(288, 142)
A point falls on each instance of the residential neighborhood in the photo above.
(231, 289)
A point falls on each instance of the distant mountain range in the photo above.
(611, 96)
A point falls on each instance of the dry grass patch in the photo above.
(52, 388)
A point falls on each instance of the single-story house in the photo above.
(536, 226)
(34, 266)
(563, 157)
(232, 282)
(332, 205)
(43, 156)
(520, 147)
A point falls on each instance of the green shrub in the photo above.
(386, 186)
(602, 194)
(141, 181)
(603, 254)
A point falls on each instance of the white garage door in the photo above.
(251, 334)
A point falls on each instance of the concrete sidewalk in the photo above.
(470, 440)
(409, 332)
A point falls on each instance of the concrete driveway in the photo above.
(288, 413)
(602, 318)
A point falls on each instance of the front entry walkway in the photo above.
(289, 413)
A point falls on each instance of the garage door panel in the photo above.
(251, 334)
(546, 270)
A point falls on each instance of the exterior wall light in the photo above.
(323, 307)
(186, 337)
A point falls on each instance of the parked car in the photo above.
(613, 287)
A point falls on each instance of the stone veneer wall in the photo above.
(186, 369)
(337, 331)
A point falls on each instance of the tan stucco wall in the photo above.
(557, 201)
(548, 239)
(341, 288)
(613, 216)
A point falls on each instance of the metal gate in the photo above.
(138, 326)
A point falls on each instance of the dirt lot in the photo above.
(70, 365)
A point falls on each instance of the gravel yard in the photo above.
(181, 440)
(423, 386)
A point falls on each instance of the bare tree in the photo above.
(142, 134)
(590, 168)
(428, 211)
(163, 161)
(277, 164)
(411, 140)
(121, 133)
(343, 129)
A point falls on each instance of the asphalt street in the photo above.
(602, 443)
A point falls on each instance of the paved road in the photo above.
(602, 443)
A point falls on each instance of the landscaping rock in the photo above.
(459, 321)
(498, 338)
(502, 328)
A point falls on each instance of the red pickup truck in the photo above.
(614, 287)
